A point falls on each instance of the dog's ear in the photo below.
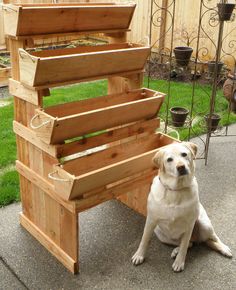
(192, 147)
(157, 159)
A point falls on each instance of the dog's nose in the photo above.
(181, 169)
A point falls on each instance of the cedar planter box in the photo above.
(86, 175)
(58, 123)
(61, 66)
(5, 74)
(36, 19)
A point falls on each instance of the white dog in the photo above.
(174, 210)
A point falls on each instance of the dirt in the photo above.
(163, 71)
(4, 93)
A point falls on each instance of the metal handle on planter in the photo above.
(39, 126)
(50, 175)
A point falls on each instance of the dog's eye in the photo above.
(169, 159)
(183, 154)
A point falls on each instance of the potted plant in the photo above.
(212, 121)
(183, 53)
(211, 67)
(178, 115)
(225, 10)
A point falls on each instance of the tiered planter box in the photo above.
(36, 19)
(77, 177)
(58, 123)
(74, 156)
(53, 67)
(5, 74)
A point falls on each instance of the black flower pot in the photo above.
(213, 122)
(211, 66)
(182, 55)
(225, 11)
(178, 115)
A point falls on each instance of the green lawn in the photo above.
(180, 96)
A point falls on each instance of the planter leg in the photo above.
(51, 224)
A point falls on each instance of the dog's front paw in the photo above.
(137, 259)
(178, 265)
(174, 253)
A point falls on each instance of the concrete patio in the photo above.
(111, 233)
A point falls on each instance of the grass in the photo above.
(180, 96)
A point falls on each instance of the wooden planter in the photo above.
(5, 74)
(36, 19)
(58, 123)
(52, 67)
(95, 172)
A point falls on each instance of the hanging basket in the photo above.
(225, 11)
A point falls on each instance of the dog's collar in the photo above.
(168, 188)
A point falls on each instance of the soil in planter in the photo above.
(161, 71)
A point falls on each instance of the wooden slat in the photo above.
(110, 136)
(5, 74)
(118, 190)
(100, 102)
(136, 198)
(113, 167)
(26, 94)
(112, 155)
(72, 18)
(14, 45)
(26, 197)
(42, 183)
(111, 173)
(38, 206)
(36, 71)
(31, 137)
(69, 237)
(64, 128)
(65, 36)
(67, 149)
(51, 246)
(125, 74)
(79, 49)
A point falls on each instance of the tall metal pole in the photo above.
(214, 86)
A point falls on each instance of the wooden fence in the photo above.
(186, 20)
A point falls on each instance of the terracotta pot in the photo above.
(178, 115)
(225, 11)
(213, 122)
(182, 55)
(211, 66)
